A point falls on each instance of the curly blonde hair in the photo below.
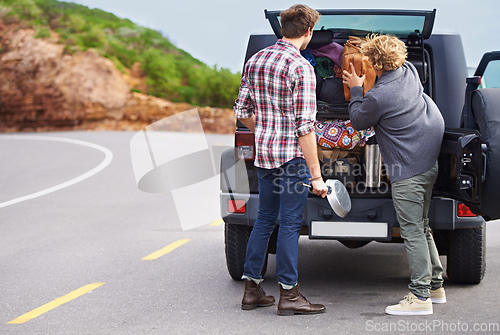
(385, 52)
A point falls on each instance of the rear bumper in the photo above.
(365, 221)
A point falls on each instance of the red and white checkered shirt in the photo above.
(279, 87)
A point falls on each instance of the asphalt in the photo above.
(99, 229)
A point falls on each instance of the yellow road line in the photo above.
(166, 250)
(217, 223)
(56, 303)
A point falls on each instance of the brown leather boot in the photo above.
(293, 302)
(255, 296)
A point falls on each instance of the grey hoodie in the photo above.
(408, 125)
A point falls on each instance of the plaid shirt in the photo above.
(279, 87)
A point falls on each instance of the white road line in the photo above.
(107, 160)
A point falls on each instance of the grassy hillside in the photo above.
(171, 73)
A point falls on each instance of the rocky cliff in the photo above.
(44, 89)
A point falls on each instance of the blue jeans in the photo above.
(279, 195)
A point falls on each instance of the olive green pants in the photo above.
(412, 198)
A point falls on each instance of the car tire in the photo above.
(466, 260)
(486, 109)
(236, 240)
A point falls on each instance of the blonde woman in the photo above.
(409, 129)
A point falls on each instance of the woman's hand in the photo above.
(352, 79)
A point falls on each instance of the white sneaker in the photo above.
(438, 296)
(411, 305)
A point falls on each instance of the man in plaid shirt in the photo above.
(277, 101)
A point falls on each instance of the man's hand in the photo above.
(319, 187)
(352, 79)
(310, 151)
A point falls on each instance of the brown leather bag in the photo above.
(352, 54)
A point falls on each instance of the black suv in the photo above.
(466, 193)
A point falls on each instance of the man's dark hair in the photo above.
(297, 19)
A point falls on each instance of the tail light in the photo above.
(464, 211)
(245, 145)
(236, 206)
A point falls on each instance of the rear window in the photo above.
(361, 25)
(361, 22)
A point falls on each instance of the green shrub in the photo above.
(119, 66)
(42, 32)
(76, 23)
(95, 38)
(25, 9)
